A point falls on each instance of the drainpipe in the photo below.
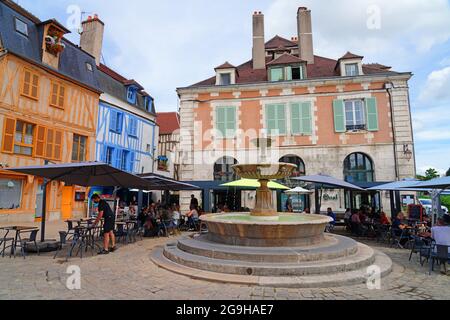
(389, 86)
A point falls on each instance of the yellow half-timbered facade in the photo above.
(47, 115)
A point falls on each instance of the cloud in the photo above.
(405, 26)
(437, 86)
(435, 134)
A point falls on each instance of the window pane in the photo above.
(225, 79)
(351, 69)
(10, 193)
(21, 27)
(276, 74)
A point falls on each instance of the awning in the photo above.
(439, 183)
(299, 190)
(403, 185)
(86, 174)
(158, 182)
(254, 184)
(324, 181)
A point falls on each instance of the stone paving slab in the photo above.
(130, 274)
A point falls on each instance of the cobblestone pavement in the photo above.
(129, 274)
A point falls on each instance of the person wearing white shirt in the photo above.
(441, 234)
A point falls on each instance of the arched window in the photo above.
(300, 171)
(358, 167)
(223, 169)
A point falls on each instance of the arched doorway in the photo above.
(359, 169)
(229, 197)
(300, 201)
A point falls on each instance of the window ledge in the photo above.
(356, 131)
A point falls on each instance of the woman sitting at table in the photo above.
(384, 219)
(192, 216)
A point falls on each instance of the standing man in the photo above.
(194, 202)
(105, 212)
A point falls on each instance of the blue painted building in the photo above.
(127, 134)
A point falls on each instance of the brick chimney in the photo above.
(259, 49)
(305, 36)
(91, 39)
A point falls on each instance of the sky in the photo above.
(168, 44)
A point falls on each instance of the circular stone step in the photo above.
(333, 248)
(363, 258)
(358, 276)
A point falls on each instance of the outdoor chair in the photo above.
(163, 229)
(120, 233)
(396, 240)
(439, 253)
(62, 241)
(382, 233)
(24, 243)
(419, 246)
(3, 243)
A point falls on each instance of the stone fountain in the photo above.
(268, 248)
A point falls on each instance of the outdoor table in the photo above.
(18, 231)
(88, 234)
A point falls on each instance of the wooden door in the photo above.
(66, 205)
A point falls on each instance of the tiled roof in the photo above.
(321, 68)
(350, 55)
(226, 65)
(72, 62)
(285, 58)
(168, 122)
(278, 41)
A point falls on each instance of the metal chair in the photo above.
(23, 243)
(62, 241)
(419, 246)
(3, 241)
(397, 239)
(439, 253)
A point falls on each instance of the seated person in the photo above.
(307, 211)
(398, 227)
(150, 227)
(347, 215)
(192, 216)
(384, 219)
(332, 215)
(441, 234)
(176, 216)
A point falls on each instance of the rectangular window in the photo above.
(132, 127)
(10, 194)
(225, 79)
(276, 74)
(116, 122)
(355, 118)
(124, 162)
(351, 69)
(276, 119)
(226, 121)
(30, 85)
(109, 155)
(131, 95)
(301, 120)
(21, 26)
(297, 73)
(57, 96)
(24, 138)
(79, 148)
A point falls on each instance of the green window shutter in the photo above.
(231, 121)
(221, 120)
(339, 116)
(295, 118)
(276, 118)
(372, 114)
(306, 119)
(288, 71)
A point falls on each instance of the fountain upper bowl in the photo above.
(264, 171)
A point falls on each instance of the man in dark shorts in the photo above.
(105, 212)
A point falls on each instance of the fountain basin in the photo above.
(284, 230)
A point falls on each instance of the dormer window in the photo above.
(131, 95)
(350, 65)
(286, 68)
(148, 103)
(226, 74)
(286, 73)
(351, 69)
(21, 27)
(225, 79)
